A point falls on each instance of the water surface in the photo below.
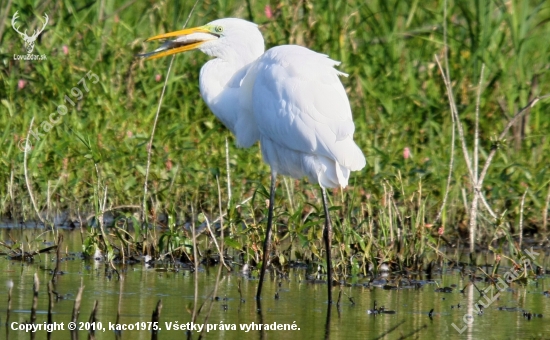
(299, 302)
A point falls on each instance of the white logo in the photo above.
(28, 40)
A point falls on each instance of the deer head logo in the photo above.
(29, 41)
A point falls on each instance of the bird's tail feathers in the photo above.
(357, 159)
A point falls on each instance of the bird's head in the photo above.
(228, 39)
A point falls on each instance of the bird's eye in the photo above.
(218, 29)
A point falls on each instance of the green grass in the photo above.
(394, 85)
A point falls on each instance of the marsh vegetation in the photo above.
(450, 106)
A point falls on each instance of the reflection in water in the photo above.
(10, 289)
(93, 320)
(327, 323)
(35, 289)
(260, 317)
(212, 297)
(156, 319)
(135, 296)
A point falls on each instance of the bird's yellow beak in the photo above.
(186, 31)
(178, 45)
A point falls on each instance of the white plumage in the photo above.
(304, 117)
(290, 98)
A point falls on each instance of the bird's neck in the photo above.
(218, 74)
(220, 82)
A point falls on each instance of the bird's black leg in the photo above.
(327, 236)
(267, 241)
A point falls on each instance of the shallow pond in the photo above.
(300, 303)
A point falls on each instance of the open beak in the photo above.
(186, 40)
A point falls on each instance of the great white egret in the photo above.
(289, 98)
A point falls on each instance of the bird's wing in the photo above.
(300, 104)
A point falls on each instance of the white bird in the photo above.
(289, 98)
